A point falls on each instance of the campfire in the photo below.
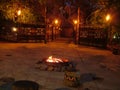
(55, 64)
(53, 60)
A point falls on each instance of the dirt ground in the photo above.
(99, 69)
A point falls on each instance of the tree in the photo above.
(30, 12)
(110, 7)
(104, 7)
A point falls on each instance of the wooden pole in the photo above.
(77, 32)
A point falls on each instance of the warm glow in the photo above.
(56, 21)
(19, 12)
(14, 29)
(75, 21)
(108, 17)
(114, 36)
(53, 60)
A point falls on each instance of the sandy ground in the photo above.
(17, 60)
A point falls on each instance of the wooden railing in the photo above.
(93, 36)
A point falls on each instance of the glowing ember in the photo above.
(55, 64)
(53, 60)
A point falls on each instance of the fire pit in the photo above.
(55, 64)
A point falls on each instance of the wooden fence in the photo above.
(93, 36)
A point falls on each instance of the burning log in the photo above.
(55, 64)
(55, 60)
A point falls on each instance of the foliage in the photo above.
(111, 7)
(28, 14)
(98, 18)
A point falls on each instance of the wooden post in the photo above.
(77, 32)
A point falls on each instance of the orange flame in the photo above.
(53, 60)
